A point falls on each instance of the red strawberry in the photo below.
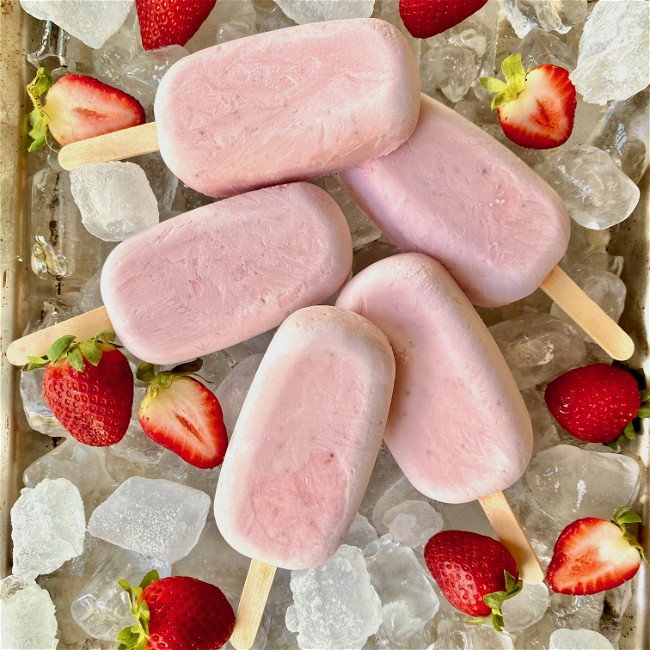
(536, 109)
(78, 107)
(593, 555)
(88, 386)
(476, 573)
(595, 403)
(170, 22)
(425, 18)
(177, 613)
(181, 414)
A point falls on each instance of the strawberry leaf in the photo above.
(629, 431)
(644, 412)
(76, 359)
(513, 71)
(150, 577)
(107, 336)
(91, 352)
(188, 368)
(59, 348)
(645, 396)
(145, 372)
(37, 118)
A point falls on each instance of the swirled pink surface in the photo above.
(306, 440)
(287, 105)
(218, 275)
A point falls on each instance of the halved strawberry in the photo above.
(537, 108)
(78, 107)
(179, 413)
(593, 555)
(426, 18)
(170, 22)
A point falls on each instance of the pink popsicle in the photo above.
(225, 272)
(306, 440)
(458, 426)
(455, 193)
(287, 105)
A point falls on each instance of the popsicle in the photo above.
(215, 276)
(458, 426)
(281, 106)
(455, 193)
(303, 448)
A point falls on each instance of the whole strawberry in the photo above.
(593, 555)
(476, 573)
(181, 414)
(170, 22)
(536, 108)
(596, 403)
(88, 386)
(78, 107)
(176, 613)
(426, 18)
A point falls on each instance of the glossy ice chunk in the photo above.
(361, 533)
(335, 605)
(48, 527)
(39, 416)
(458, 634)
(549, 15)
(308, 11)
(154, 517)
(220, 286)
(569, 483)
(596, 192)
(91, 22)
(307, 438)
(526, 608)
(612, 60)
(580, 639)
(456, 194)
(449, 372)
(27, 616)
(540, 47)
(102, 608)
(313, 125)
(115, 199)
(407, 597)
(413, 523)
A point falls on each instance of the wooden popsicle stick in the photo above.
(251, 604)
(513, 536)
(588, 315)
(117, 145)
(37, 344)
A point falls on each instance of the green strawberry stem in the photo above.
(515, 83)
(135, 636)
(623, 516)
(495, 601)
(161, 380)
(76, 353)
(38, 120)
(630, 430)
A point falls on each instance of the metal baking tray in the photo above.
(22, 294)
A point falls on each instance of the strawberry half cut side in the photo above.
(536, 108)
(179, 413)
(593, 555)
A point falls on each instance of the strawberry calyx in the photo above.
(76, 353)
(37, 118)
(495, 601)
(623, 516)
(135, 636)
(161, 380)
(515, 83)
(630, 430)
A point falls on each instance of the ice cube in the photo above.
(81, 464)
(308, 11)
(232, 391)
(407, 597)
(458, 634)
(549, 15)
(115, 199)
(91, 22)
(102, 607)
(545, 433)
(27, 614)
(163, 183)
(624, 133)
(167, 466)
(577, 612)
(413, 523)
(230, 19)
(398, 491)
(539, 347)
(581, 639)
(257, 345)
(154, 517)
(526, 608)
(48, 527)
(540, 47)
(335, 605)
(39, 416)
(361, 533)
(569, 483)
(596, 192)
(613, 55)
